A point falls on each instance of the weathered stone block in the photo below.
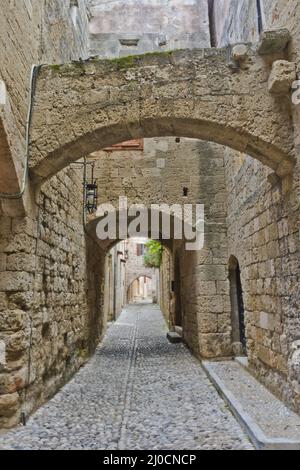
(215, 345)
(174, 337)
(9, 404)
(211, 304)
(5, 226)
(2, 262)
(206, 288)
(19, 243)
(15, 281)
(273, 41)
(3, 301)
(282, 77)
(239, 52)
(24, 300)
(211, 273)
(267, 321)
(15, 344)
(24, 225)
(208, 323)
(21, 262)
(264, 355)
(12, 320)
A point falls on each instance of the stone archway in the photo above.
(134, 288)
(135, 277)
(83, 107)
(207, 328)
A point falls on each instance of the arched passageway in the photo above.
(55, 273)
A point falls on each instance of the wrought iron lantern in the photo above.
(91, 197)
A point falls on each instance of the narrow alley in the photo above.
(138, 392)
(149, 225)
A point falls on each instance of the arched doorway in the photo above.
(239, 339)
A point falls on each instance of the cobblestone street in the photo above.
(138, 392)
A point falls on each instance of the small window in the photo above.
(140, 249)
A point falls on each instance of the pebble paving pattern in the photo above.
(137, 392)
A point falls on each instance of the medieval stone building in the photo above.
(186, 102)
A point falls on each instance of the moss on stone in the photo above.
(120, 62)
(131, 60)
(55, 67)
(69, 69)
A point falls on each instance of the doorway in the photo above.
(239, 339)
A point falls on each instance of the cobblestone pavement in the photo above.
(137, 392)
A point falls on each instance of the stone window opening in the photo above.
(140, 249)
(185, 191)
(239, 340)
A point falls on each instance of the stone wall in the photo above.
(263, 227)
(50, 302)
(53, 307)
(171, 24)
(155, 175)
(32, 32)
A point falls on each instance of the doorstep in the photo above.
(269, 424)
(174, 337)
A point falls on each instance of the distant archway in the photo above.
(140, 290)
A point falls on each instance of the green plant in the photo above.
(153, 255)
